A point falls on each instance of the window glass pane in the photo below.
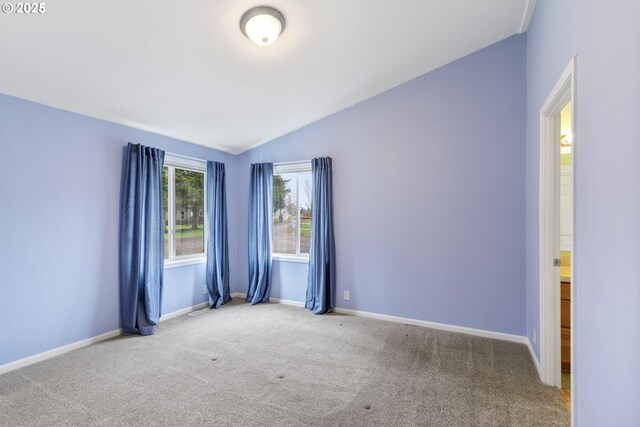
(284, 213)
(165, 206)
(189, 213)
(305, 202)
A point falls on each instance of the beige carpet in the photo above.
(274, 365)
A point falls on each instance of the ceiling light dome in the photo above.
(262, 25)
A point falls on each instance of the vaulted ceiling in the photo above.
(184, 69)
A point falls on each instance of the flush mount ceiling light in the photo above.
(262, 25)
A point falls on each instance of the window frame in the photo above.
(171, 162)
(292, 168)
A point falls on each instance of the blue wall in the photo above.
(429, 182)
(59, 194)
(605, 37)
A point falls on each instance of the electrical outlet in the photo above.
(535, 337)
(204, 289)
(346, 295)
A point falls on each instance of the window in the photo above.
(183, 193)
(292, 210)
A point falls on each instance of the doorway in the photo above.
(557, 235)
(566, 248)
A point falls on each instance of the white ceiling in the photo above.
(184, 69)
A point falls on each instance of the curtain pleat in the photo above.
(141, 240)
(260, 224)
(217, 244)
(321, 281)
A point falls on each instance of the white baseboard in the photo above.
(287, 302)
(535, 359)
(17, 364)
(434, 325)
(57, 351)
(274, 300)
(184, 311)
(396, 319)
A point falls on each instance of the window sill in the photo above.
(184, 262)
(291, 258)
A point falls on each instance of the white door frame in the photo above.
(550, 366)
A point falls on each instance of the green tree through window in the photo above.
(280, 192)
(184, 208)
